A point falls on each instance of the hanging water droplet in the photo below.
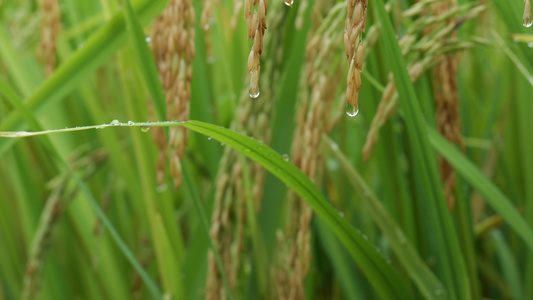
(254, 85)
(528, 22)
(145, 128)
(130, 123)
(115, 122)
(439, 291)
(285, 157)
(351, 110)
(254, 92)
(288, 2)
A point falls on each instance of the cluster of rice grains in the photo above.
(353, 45)
(172, 45)
(50, 26)
(229, 221)
(432, 42)
(446, 95)
(62, 191)
(317, 92)
(255, 12)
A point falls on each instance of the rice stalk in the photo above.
(51, 213)
(447, 106)
(172, 44)
(429, 50)
(236, 13)
(229, 218)
(318, 89)
(353, 46)
(205, 20)
(50, 27)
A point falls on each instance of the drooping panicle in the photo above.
(316, 98)
(353, 47)
(255, 12)
(172, 44)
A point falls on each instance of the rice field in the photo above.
(255, 149)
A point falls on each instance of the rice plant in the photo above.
(255, 149)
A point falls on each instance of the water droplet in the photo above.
(530, 45)
(148, 39)
(21, 133)
(288, 2)
(528, 22)
(285, 157)
(145, 128)
(161, 188)
(130, 123)
(439, 291)
(222, 144)
(254, 92)
(115, 122)
(351, 110)
(341, 214)
(209, 138)
(254, 85)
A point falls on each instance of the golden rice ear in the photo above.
(255, 15)
(172, 45)
(229, 222)
(316, 98)
(353, 45)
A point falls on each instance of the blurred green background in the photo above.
(82, 215)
